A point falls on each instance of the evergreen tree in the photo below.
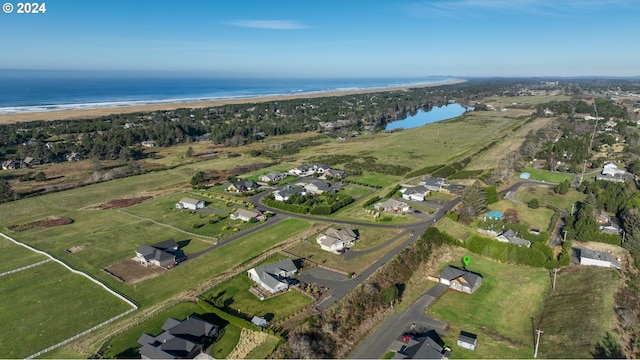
(474, 200)
(6, 192)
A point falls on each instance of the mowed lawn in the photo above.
(44, 305)
(548, 176)
(539, 218)
(546, 196)
(500, 312)
(16, 256)
(587, 290)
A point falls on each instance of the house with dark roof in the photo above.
(460, 279)
(285, 193)
(242, 186)
(163, 254)
(433, 184)
(420, 346)
(274, 277)
(11, 165)
(273, 177)
(179, 339)
(511, 237)
(416, 193)
(317, 186)
(334, 173)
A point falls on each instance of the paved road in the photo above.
(376, 344)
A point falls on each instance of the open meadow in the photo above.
(539, 218)
(500, 312)
(546, 196)
(46, 304)
(587, 290)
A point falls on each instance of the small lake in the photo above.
(437, 113)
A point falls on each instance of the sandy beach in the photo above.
(92, 113)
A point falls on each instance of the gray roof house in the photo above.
(391, 205)
(179, 339)
(433, 184)
(162, 254)
(247, 215)
(242, 186)
(274, 277)
(422, 346)
(460, 279)
(273, 177)
(416, 193)
(335, 173)
(598, 258)
(335, 241)
(511, 237)
(285, 193)
(189, 204)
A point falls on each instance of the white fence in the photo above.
(104, 286)
(24, 268)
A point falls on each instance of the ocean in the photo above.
(28, 91)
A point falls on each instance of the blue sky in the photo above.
(328, 38)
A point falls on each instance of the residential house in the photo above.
(416, 193)
(284, 194)
(460, 279)
(608, 224)
(598, 258)
(336, 174)
(610, 172)
(511, 237)
(162, 254)
(300, 169)
(242, 186)
(434, 184)
(467, 340)
(420, 346)
(247, 215)
(335, 241)
(274, 277)
(305, 169)
(179, 339)
(29, 161)
(73, 156)
(189, 204)
(148, 143)
(11, 165)
(317, 186)
(392, 205)
(273, 177)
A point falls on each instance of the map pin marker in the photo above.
(466, 260)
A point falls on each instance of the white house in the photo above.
(335, 241)
(274, 277)
(391, 205)
(416, 193)
(189, 204)
(247, 215)
(612, 170)
(511, 237)
(597, 258)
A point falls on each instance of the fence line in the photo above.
(81, 273)
(24, 268)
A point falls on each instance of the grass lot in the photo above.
(357, 192)
(500, 312)
(546, 196)
(539, 218)
(370, 238)
(125, 345)
(548, 176)
(19, 256)
(236, 296)
(455, 229)
(580, 290)
(162, 209)
(44, 305)
(375, 179)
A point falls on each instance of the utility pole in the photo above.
(564, 237)
(538, 331)
(555, 273)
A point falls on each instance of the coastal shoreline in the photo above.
(80, 114)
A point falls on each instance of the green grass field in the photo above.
(370, 238)
(500, 312)
(548, 176)
(236, 296)
(19, 256)
(536, 218)
(46, 304)
(579, 312)
(546, 196)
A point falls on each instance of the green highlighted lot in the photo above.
(500, 312)
(548, 176)
(44, 305)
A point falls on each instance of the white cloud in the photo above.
(269, 24)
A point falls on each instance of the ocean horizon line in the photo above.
(224, 95)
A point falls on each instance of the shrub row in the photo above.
(505, 252)
(360, 182)
(393, 191)
(466, 174)
(424, 171)
(444, 172)
(371, 201)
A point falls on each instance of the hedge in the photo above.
(444, 172)
(505, 252)
(424, 171)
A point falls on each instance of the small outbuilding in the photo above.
(259, 321)
(467, 340)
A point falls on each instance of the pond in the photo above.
(437, 113)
